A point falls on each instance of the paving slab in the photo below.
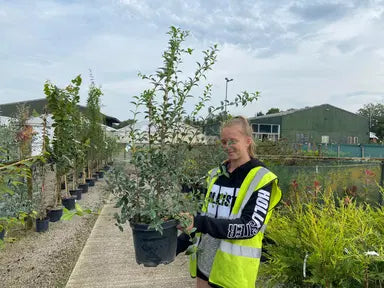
(108, 260)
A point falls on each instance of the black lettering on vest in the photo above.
(212, 196)
(227, 201)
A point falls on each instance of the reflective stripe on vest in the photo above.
(238, 250)
(251, 188)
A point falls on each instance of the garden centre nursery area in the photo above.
(88, 200)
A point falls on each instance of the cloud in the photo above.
(312, 11)
(297, 53)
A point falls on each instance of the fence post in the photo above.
(381, 183)
(362, 151)
(338, 150)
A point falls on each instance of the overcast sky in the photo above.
(296, 53)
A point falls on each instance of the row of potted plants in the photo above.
(79, 150)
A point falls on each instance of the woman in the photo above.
(240, 196)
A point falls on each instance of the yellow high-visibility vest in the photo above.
(236, 262)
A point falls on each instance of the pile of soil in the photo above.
(47, 259)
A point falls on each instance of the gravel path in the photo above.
(47, 259)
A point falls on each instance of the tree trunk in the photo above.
(58, 190)
(29, 222)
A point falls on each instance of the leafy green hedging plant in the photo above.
(15, 206)
(61, 106)
(95, 134)
(149, 188)
(8, 143)
(325, 241)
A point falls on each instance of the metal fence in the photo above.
(344, 150)
(362, 178)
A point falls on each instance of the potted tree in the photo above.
(59, 104)
(149, 187)
(95, 132)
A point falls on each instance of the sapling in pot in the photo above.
(148, 188)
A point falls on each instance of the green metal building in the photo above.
(325, 124)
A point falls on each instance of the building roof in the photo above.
(10, 109)
(290, 111)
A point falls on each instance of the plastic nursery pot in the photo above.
(106, 168)
(153, 248)
(76, 193)
(100, 174)
(55, 214)
(185, 188)
(90, 182)
(84, 187)
(95, 176)
(42, 225)
(69, 203)
(2, 234)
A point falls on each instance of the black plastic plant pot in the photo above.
(69, 203)
(95, 176)
(76, 193)
(55, 214)
(100, 174)
(153, 248)
(2, 234)
(90, 182)
(185, 188)
(84, 187)
(42, 225)
(106, 168)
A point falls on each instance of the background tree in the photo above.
(273, 111)
(260, 113)
(375, 114)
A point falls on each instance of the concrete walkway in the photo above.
(108, 260)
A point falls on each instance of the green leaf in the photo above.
(190, 250)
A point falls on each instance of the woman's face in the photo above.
(235, 143)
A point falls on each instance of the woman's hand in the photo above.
(186, 222)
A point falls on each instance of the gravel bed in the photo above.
(47, 259)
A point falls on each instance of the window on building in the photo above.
(264, 132)
(349, 140)
(325, 139)
(265, 128)
(355, 140)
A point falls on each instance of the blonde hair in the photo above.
(246, 129)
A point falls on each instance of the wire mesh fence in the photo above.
(360, 180)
